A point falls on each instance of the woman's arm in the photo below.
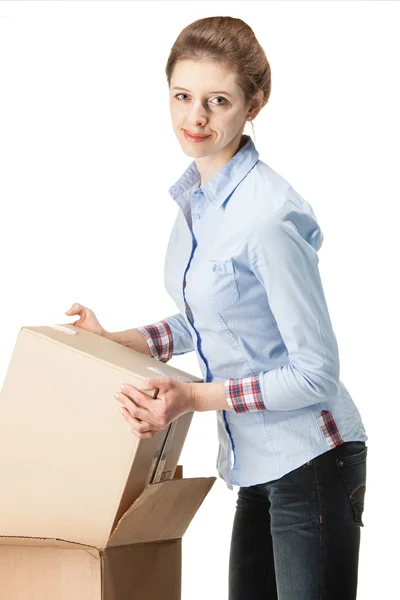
(161, 340)
(131, 338)
(283, 257)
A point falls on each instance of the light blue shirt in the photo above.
(242, 267)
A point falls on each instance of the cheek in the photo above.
(173, 109)
(231, 118)
(237, 116)
(177, 114)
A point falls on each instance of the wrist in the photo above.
(208, 396)
(194, 397)
(106, 334)
(131, 338)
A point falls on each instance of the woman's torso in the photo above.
(208, 273)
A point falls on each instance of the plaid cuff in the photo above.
(244, 394)
(159, 339)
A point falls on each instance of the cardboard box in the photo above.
(88, 511)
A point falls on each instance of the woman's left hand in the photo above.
(147, 416)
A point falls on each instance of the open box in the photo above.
(88, 511)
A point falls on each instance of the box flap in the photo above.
(107, 351)
(162, 512)
(170, 453)
(6, 540)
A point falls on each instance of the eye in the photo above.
(221, 98)
(217, 98)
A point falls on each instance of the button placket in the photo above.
(187, 307)
(196, 204)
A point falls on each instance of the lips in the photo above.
(196, 135)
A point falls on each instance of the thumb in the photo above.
(74, 306)
(150, 383)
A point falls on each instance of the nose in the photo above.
(198, 114)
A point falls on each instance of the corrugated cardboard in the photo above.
(81, 515)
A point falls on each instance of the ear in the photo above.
(256, 104)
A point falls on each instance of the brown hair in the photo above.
(230, 42)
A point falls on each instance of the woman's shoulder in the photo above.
(269, 192)
(274, 201)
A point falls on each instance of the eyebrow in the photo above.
(185, 90)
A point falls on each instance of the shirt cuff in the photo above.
(159, 339)
(244, 394)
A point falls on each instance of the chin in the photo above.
(192, 150)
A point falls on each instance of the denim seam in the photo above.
(320, 521)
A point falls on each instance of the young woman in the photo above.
(242, 267)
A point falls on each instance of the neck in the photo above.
(210, 165)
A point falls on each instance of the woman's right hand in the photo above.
(87, 319)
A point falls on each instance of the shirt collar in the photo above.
(221, 185)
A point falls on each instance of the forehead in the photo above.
(203, 77)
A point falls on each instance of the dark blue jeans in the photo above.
(298, 537)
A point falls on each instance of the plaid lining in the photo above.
(329, 428)
(244, 394)
(159, 339)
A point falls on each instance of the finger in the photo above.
(149, 383)
(145, 436)
(141, 429)
(76, 309)
(139, 398)
(139, 425)
(134, 409)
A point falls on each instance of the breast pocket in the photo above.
(223, 283)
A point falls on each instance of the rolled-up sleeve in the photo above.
(168, 337)
(283, 257)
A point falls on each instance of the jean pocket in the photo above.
(224, 285)
(353, 469)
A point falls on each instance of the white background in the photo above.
(87, 154)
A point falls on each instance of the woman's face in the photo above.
(205, 99)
